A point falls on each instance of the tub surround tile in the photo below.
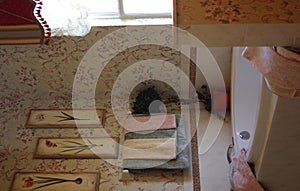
(220, 35)
(272, 34)
(214, 168)
(216, 35)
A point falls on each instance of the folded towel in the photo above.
(158, 134)
(154, 122)
(150, 149)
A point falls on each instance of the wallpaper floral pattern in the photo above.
(41, 76)
(242, 11)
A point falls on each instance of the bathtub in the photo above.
(246, 87)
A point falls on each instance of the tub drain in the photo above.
(245, 135)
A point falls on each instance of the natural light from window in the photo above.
(77, 14)
(148, 7)
(109, 9)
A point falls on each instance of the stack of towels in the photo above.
(150, 137)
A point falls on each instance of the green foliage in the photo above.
(144, 99)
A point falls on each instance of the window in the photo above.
(130, 8)
(75, 17)
(130, 11)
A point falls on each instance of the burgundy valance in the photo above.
(21, 22)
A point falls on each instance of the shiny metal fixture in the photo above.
(245, 135)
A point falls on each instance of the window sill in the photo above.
(131, 22)
(83, 29)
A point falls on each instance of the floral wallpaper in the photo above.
(41, 76)
(241, 11)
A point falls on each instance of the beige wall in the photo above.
(279, 169)
(222, 56)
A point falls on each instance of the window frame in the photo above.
(125, 17)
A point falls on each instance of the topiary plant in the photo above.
(205, 97)
(144, 99)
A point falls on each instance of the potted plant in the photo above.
(143, 101)
(205, 97)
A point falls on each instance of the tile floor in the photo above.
(214, 168)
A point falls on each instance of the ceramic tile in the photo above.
(272, 34)
(214, 168)
(218, 35)
(216, 184)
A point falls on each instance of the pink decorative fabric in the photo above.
(243, 178)
(281, 73)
